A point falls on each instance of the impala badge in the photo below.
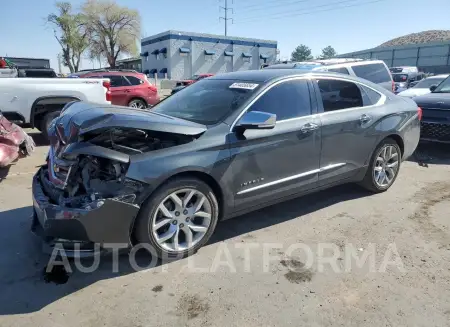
(254, 181)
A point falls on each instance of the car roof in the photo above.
(112, 73)
(266, 75)
(439, 76)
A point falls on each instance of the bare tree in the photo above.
(70, 33)
(113, 29)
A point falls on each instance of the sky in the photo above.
(346, 25)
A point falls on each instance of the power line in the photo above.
(226, 19)
(269, 2)
(278, 5)
(292, 14)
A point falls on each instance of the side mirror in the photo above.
(257, 120)
(433, 87)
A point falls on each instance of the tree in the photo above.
(113, 30)
(328, 53)
(301, 53)
(70, 33)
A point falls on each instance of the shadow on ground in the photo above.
(22, 281)
(431, 153)
(38, 138)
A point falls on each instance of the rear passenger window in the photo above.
(341, 70)
(134, 80)
(370, 97)
(117, 80)
(376, 73)
(286, 100)
(338, 95)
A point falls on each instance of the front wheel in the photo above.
(179, 218)
(384, 167)
(46, 121)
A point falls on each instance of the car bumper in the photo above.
(152, 100)
(81, 229)
(435, 132)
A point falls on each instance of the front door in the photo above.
(120, 90)
(270, 164)
(347, 119)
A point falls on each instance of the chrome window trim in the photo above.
(286, 179)
(381, 101)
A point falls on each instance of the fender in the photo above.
(55, 99)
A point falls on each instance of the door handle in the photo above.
(365, 119)
(127, 91)
(309, 127)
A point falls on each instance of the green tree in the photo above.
(328, 53)
(70, 33)
(301, 53)
(113, 30)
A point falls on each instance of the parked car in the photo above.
(224, 146)
(422, 87)
(13, 142)
(182, 84)
(37, 72)
(375, 71)
(36, 101)
(435, 125)
(128, 88)
(404, 69)
(403, 81)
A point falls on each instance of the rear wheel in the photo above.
(384, 166)
(137, 103)
(45, 122)
(179, 218)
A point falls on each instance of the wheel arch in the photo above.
(201, 175)
(45, 100)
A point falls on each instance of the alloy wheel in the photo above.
(386, 166)
(137, 105)
(181, 220)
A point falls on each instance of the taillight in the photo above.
(419, 113)
(393, 86)
(152, 87)
(107, 86)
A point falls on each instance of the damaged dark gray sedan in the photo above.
(222, 147)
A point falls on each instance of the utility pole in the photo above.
(226, 19)
(59, 63)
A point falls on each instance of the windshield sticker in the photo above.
(245, 86)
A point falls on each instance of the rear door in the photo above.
(120, 90)
(346, 123)
(270, 164)
(377, 73)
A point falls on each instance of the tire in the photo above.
(377, 160)
(45, 122)
(137, 103)
(147, 233)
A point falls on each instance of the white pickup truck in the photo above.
(36, 101)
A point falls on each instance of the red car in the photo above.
(128, 88)
(193, 79)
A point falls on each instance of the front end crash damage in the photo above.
(82, 195)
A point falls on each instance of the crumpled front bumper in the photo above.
(111, 222)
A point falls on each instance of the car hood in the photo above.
(79, 118)
(434, 100)
(414, 92)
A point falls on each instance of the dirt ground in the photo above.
(284, 281)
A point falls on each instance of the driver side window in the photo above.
(287, 100)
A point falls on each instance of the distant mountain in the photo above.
(418, 38)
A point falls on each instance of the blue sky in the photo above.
(358, 25)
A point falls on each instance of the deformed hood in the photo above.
(79, 118)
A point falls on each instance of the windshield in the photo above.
(400, 77)
(444, 87)
(207, 101)
(426, 83)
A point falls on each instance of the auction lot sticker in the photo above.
(245, 86)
